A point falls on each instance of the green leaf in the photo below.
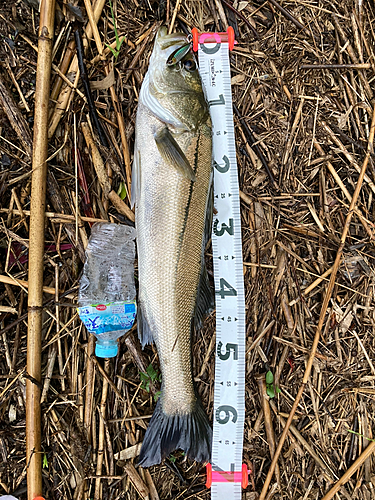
(270, 391)
(278, 390)
(172, 458)
(269, 377)
(118, 41)
(45, 461)
(157, 396)
(122, 191)
(114, 52)
(121, 42)
(152, 373)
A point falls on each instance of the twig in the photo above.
(303, 442)
(254, 145)
(102, 174)
(89, 389)
(100, 456)
(261, 380)
(36, 250)
(241, 16)
(344, 190)
(174, 16)
(86, 87)
(64, 66)
(16, 119)
(94, 26)
(336, 66)
(136, 480)
(326, 300)
(292, 131)
(348, 474)
(221, 13)
(56, 217)
(15, 83)
(346, 153)
(289, 16)
(352, 55)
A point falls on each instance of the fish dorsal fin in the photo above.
(172, 154)
(209, 215)
(205, 303)
(148, 100)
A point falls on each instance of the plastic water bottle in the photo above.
(106, 297)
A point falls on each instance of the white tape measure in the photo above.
(228, 474)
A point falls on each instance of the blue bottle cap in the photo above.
(106, 350)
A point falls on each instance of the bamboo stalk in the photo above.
(323, 311)
(36, 250)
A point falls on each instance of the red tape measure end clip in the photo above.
(227, 36)
(222, 476)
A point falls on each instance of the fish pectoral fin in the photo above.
(172, 154)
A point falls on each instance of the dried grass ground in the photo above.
(312, 127)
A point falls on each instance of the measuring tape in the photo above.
(226, 475)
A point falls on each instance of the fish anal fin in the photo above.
(190, 432)
(172, 154)
(143, 328)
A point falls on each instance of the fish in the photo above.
(173, 199)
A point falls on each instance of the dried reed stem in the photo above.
(36, 250)
(103, 402)
(348, 474)
(270, 433)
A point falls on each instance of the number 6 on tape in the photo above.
(225, 475)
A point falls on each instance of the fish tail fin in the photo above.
(190, 432)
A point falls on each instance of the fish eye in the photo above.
(190, 65)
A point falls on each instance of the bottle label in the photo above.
(102, 318)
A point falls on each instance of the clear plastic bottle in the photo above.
(107, 292)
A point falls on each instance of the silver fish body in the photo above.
(172, 181)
